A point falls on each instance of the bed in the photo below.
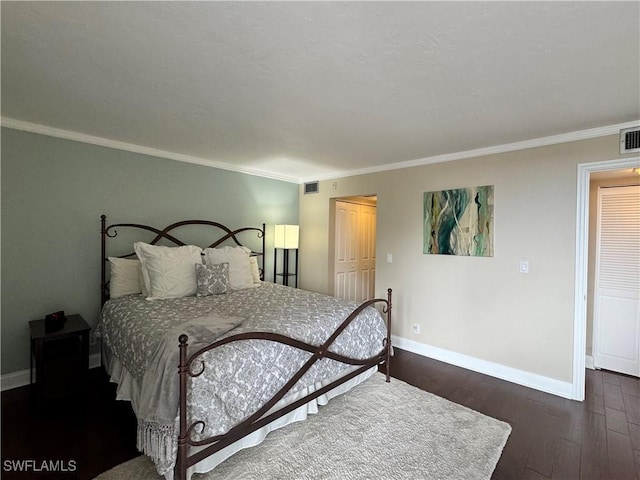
(214, 372)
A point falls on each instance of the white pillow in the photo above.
(168, 272)
(255, 270)
(126, 275)
(239, 265)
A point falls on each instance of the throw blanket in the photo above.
(160, 393)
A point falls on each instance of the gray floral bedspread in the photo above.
(241, 376)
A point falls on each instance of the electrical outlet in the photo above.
(416, 329)
(92, 338)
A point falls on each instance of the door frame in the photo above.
(582, 259)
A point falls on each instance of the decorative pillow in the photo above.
(255, 270)
(239, 267)
(125, 276)
(168, 271)
(212, 279)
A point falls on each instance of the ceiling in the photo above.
(308, 90)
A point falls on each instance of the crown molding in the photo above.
(448, 157)
(130, 147)
(480, 152)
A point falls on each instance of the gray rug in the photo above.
(377, 430)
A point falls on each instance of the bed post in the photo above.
(181, 460)
(103, 286)
(388, 346)
(264, 253)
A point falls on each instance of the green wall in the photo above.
(53, 193)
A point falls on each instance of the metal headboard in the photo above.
(109, 231)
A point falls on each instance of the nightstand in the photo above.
(61, 360)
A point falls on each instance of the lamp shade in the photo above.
(286, 236)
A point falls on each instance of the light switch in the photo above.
(389, 257)
(524, 266)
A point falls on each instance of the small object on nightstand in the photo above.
(54, 321)
(61, 358)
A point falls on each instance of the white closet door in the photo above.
(617, 300)
(355, 247)
(367, 253)
(346, 244)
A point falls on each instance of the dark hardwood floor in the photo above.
(94, 438)
(552, 438)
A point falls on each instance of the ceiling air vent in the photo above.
(630, 140)
(311, 187)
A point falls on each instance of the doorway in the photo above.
(581, 272)
(353, 247)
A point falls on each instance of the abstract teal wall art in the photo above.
(459, 222)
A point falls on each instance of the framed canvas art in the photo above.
(459, 222)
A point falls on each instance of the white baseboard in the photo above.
(527, 379)
(21, 377)
(14, 380)
(589, 363)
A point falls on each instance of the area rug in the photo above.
(378, 430)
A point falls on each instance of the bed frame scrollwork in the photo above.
(262, 417)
